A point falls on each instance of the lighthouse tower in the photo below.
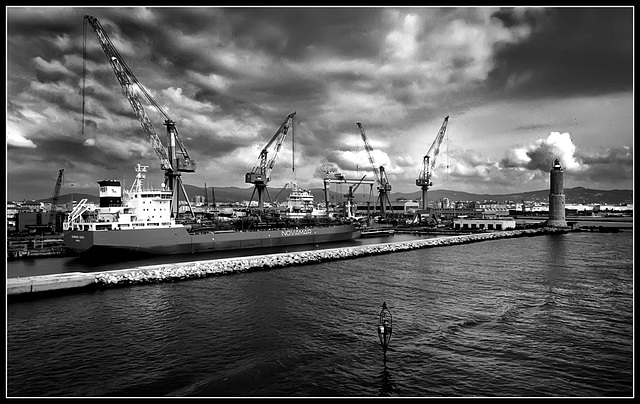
(556, 197)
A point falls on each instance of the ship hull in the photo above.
(165, 241)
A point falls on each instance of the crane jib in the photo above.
(429, 160)
(169, 161)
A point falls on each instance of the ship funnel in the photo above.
(110, 193)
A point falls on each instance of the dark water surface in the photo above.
(542, 316)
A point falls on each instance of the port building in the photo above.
(463, 223)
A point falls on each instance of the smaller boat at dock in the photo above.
(376, 232)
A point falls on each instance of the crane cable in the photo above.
(447, 135)
(293, 150)
(84, 66)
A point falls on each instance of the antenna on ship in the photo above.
(140, 176)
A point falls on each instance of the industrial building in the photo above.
(484, 224)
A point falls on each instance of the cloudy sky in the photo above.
(522, 86)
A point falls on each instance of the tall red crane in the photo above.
(54, 199)
(174, 159)
(384, 188)
(429, 163)
(261, 174)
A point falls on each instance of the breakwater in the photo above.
(198, 269)
(173, 272)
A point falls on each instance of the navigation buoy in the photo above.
(385, 327)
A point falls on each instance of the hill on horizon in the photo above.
(235, 194)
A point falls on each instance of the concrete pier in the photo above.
(47, 283)
(198, 269)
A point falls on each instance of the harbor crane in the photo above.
(174, 159)
(349, 195)
(261, 174)
(384, 188)
(429, 163)
(54, 200)
(352, 189)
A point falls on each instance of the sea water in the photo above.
(542, 316)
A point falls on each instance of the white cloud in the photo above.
(17, 140)
(180, 100)
(402, 42)
(214, 81)
(518, 156)
(561, 143)
(123, 148)
(374, 107)
(63, 42)
(30, 114)
(541, 154)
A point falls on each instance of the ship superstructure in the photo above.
(299, 203)
(140, 208)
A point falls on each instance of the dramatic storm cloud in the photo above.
(542, 154)
(522, 87)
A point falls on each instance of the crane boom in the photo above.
(128, 82)
(54, 198)
(261, 174)
(280, 134)
(173, 159)
(379, 172)
(434, 150)
(369, 149)
(355, 187)
(429, 163)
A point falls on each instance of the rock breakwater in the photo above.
(199, 269)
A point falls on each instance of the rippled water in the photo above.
(543, 316)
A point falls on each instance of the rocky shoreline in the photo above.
(199, 269)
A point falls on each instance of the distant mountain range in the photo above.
(235, 194)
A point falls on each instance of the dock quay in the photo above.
(47, 284)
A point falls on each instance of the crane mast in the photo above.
(261, 174)
(54, 198)
(429, 163)
(384, 188)
(174, 159)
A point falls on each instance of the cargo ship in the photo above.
(139, 221)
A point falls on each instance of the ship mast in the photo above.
(140, 176)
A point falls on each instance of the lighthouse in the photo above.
(556, 197)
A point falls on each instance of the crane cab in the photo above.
(255, 178)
